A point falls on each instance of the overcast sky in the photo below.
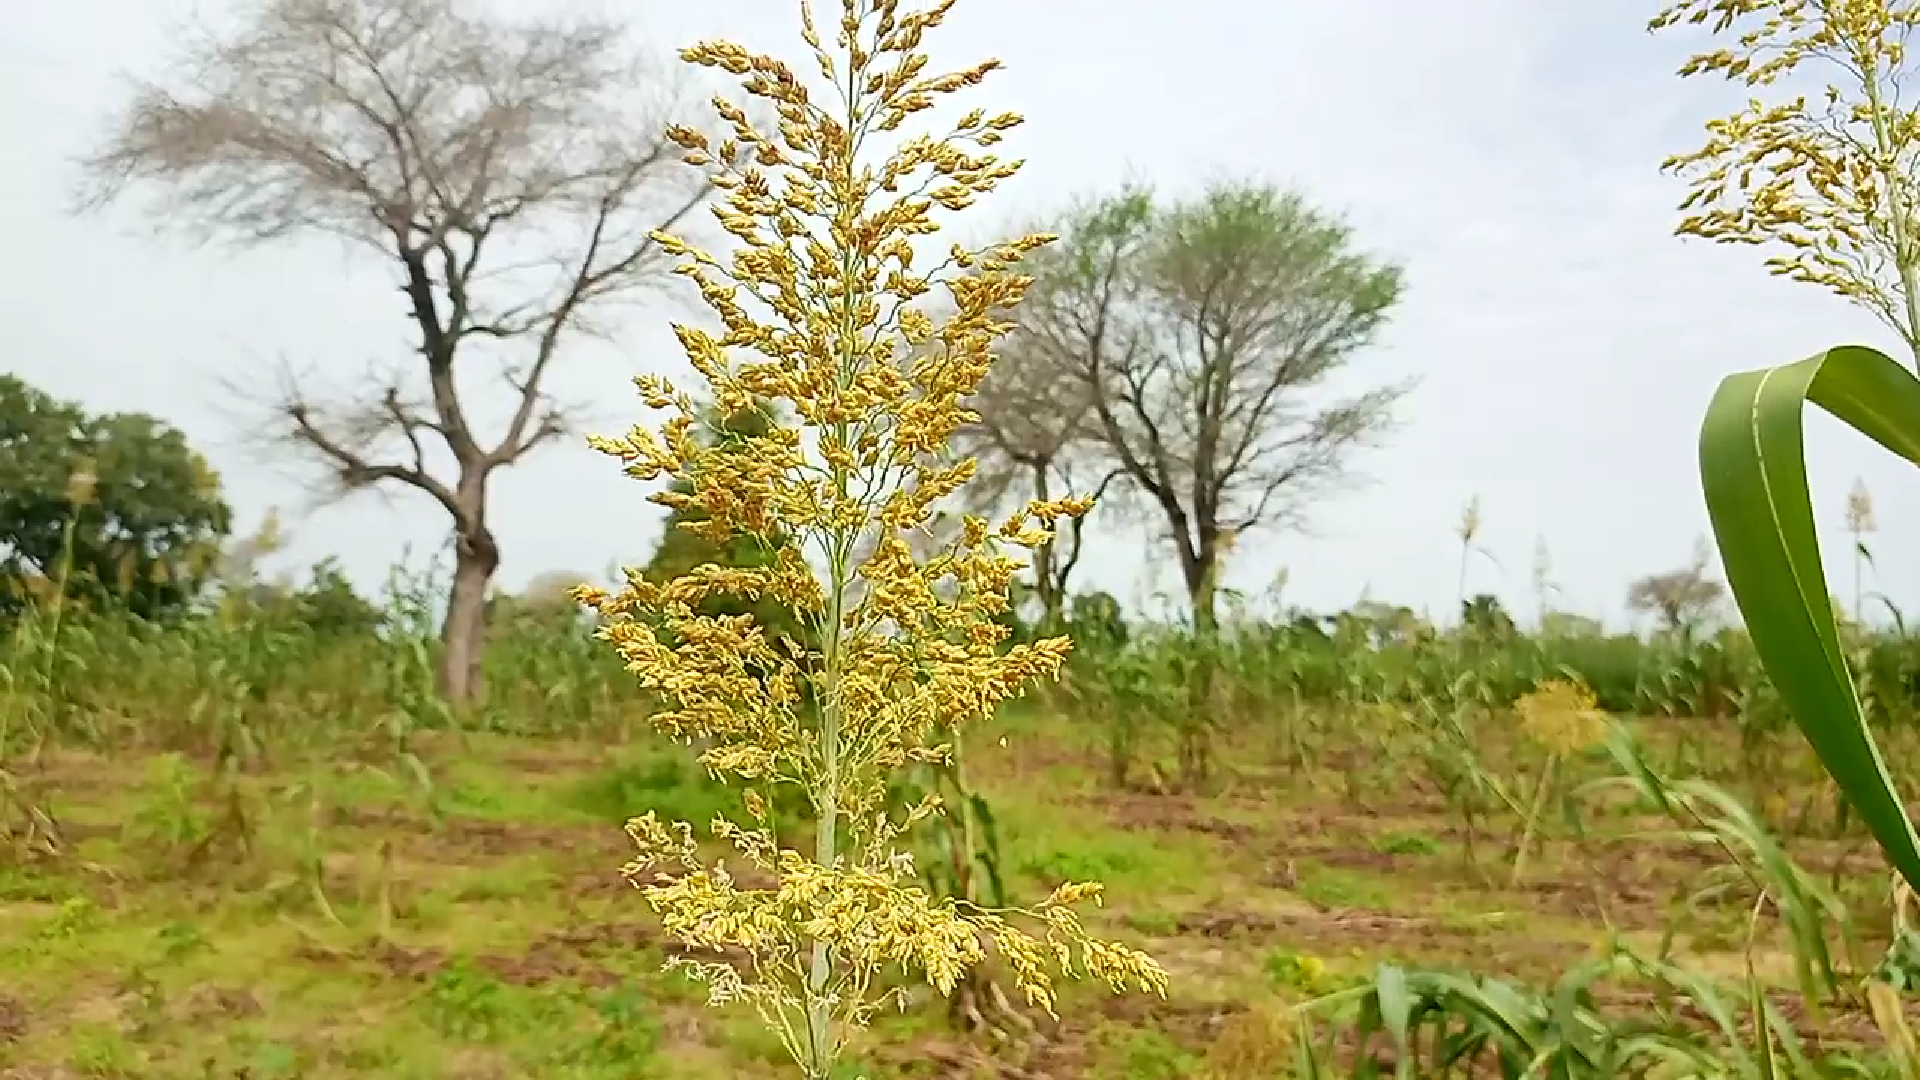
(1505, 150)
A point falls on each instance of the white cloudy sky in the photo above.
(1505, 150)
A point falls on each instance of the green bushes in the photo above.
(317, 666)
(260, 678)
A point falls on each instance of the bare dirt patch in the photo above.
(13, 1019)
(1062, 1049)
(553, 760)
(219, 1002)
(586, 860)
(1070, 1049)
(1226, 925)
(577, 954)
(1168, 814)
(467, 839)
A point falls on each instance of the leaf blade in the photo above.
(1752, 460)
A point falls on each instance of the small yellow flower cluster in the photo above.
(1821, 171)
(823, 328)
(1562, 716)
(870, 917)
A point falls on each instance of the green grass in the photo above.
(352, 904)
(484, 931)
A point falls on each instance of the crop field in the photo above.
(854, 775)
(239, 850)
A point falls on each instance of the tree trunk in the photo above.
(1196, 734)
(1200, 595)
(1046, 581)
(1052, 604)
(463, 634)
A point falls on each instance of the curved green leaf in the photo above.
(1754, 473)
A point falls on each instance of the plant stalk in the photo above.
(1896, 213)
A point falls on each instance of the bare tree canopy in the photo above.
(511, 172)
(1205, 334)
(1035, 439)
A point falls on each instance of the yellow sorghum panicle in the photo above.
(825, 325)
(1816, 162)
(1562, 716)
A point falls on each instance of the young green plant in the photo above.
(1826, 180)
(821, 326)
(1560, 717)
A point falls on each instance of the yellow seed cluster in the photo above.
(825, 325)
(1829, 179)
(1562, 716)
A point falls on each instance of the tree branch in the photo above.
(353, 470)
(496, 164)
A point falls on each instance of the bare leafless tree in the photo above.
(1204, 335)
(509, 172)
(1035, 439)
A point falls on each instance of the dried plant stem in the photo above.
(1532, 824)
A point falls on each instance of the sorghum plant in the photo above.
(1826, 179)
(1561, 717)
(822, 326)
(1828, 176)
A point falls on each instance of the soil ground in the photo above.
(367, 931)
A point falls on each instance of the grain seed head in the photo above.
(824, 325)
